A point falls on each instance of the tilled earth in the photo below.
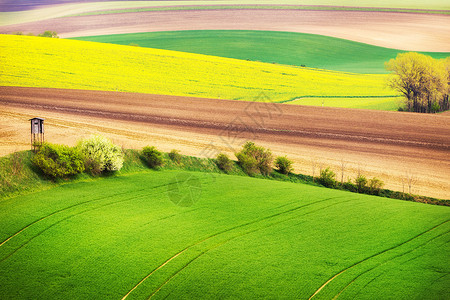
(405, 150)
(405, 31)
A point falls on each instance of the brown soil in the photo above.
(406, 31)
(390, 145)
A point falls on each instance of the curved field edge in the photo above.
(261, 6)
(375, 103)
(69, 64)
(297, 49)
(42, 13)
(124, 235)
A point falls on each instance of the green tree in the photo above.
(422, 80)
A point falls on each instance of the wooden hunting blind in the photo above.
(37, 132)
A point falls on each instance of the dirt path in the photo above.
(406, 31)
(390, 145)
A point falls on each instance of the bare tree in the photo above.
(313, 164)
(411, 179)
(343, 164)
(320, 167)
(404, 180)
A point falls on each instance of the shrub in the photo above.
(48, 33)
(327, 178)
(100, 154)
(375, 186)
(248, 164)
(284, 165)
(349, 186)
(153, 157)
(224, 163)
(255, 159)
(175, 156)
(93, 165)
(58, 160)
(361, 183)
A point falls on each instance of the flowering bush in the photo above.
(100, 154)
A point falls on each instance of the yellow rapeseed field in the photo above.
(58, 63)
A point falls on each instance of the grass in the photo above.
(360, 103)
(55, 63)
(242, 236)
(315, 51)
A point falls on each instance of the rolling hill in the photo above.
(288, 48)
(125, 236)
(45, 62)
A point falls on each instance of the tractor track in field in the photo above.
(238, 236)
(56, 212)
(415, 257)
(372, 256)
(76, 214)
(390, 259)
(224, 242)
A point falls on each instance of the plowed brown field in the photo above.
(390, 145)
(406, 31)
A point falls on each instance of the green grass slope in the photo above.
(289, 48)
(232, 236)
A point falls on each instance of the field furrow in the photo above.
(381, 255)
(230, 234)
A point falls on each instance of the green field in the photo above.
(242, 238)
(70, 64)
(289, 48)
(360, 103)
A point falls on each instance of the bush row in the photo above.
(372, 186)
(257, 160)
(97, 155)
(47, 33)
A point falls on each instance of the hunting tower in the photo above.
(37, 132)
